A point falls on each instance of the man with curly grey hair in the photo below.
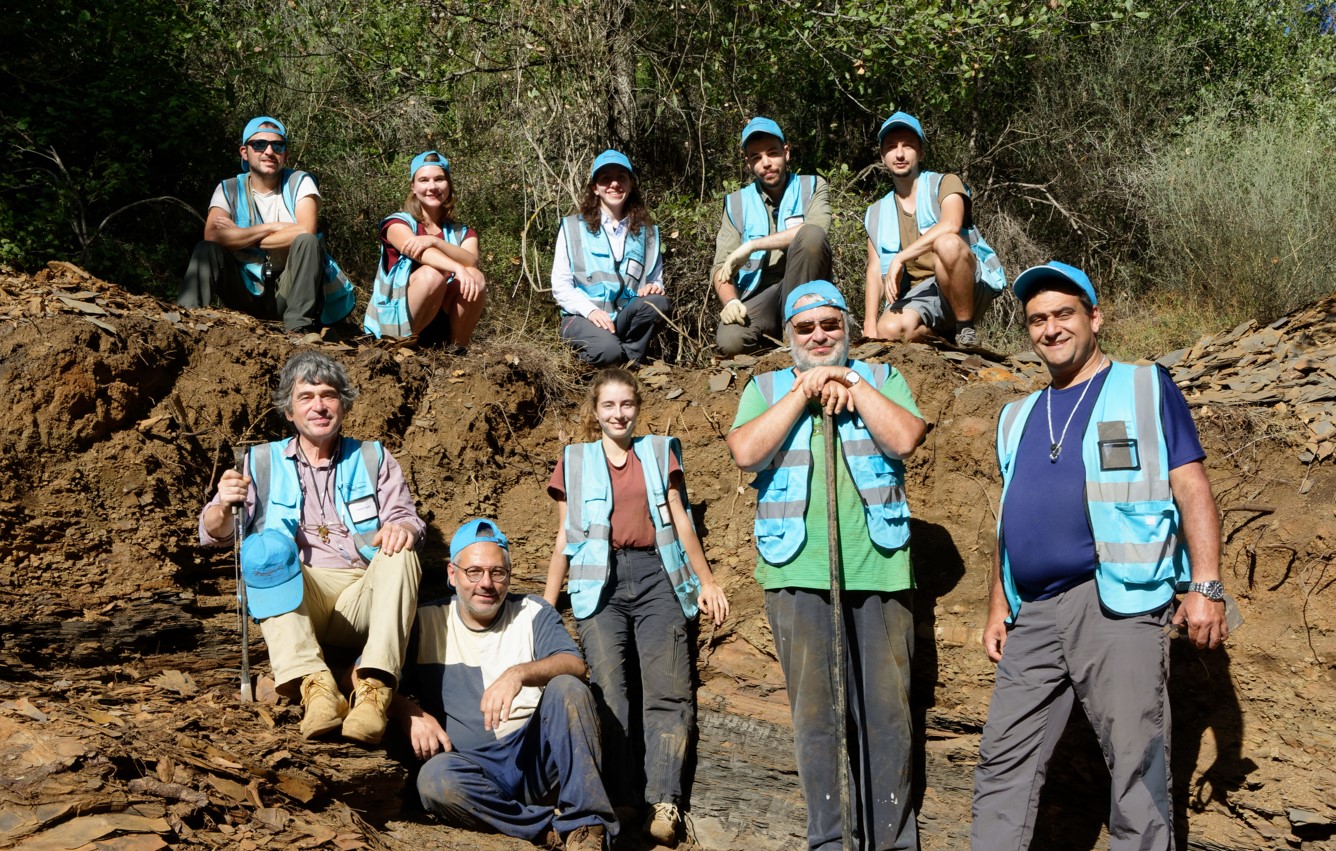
(330, 554)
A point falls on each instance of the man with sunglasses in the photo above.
(500, 711)
(779, 435)
(260, 253)
(772, 237)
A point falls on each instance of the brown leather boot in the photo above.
(588, 838)
(371, 703)
(323, 706)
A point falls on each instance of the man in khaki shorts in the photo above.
(330, 555)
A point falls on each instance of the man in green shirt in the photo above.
(778, 435)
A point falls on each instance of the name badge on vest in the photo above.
(793, 222)
(634, 269)
(664, 517)
(1117, 451)
(362, 510)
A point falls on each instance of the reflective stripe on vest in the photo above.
(783, 487)
(278, 491)
(589, 521)
(747, 211)
(339, 295)
(387, 310)
(1139, 557)
(609, 282)
(882, 223)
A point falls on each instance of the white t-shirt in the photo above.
(271, 209)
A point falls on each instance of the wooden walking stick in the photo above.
(239, 529)
(837, 636)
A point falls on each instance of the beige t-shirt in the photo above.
(920, 268)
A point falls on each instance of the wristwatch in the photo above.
(852, 378)
(1213, 590)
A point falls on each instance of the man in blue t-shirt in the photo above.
(502, 716)
(1106, 514)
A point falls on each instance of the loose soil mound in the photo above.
(118, 711)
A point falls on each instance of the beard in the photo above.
(838, 354)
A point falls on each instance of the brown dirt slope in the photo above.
(118, 714)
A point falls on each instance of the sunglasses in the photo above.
(259, 146)
(829, 325)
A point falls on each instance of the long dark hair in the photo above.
(637, 213)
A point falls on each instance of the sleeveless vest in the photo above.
(339, 295)
(783, 487)
(746, 210)
(1139, 558)
(589, 521)
(609, 283)
(278, 492)
(387, 310)
(882, 223)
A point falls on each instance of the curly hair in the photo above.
(637, 213)
(588, 409)
(413, 207)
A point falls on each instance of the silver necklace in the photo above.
(1055, 446)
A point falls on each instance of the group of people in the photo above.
(1106, 517)
(929, 271)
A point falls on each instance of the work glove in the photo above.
(734, 313)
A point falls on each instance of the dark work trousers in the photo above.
(636, 324)
(879, 641)
(807, 259)
(511, 785)
(214, 272)
(1061, 650)
(639, 624)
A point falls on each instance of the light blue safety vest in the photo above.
(278, 491)
(589, 521)
(608, 282)
(747, 211)
(882, 223)
(339, 296)
(783, 486)
(387, 311)
(1139, 558)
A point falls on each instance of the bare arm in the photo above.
(1201, 527)
(712, 600)
(995, 629)
(560, 563)
(424, 731)
(872, 292)
(497, 698)
(220, 228)
(951, 220)
(755, 442)
(895, 430)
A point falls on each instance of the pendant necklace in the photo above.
(1055, 445)
(323, 529)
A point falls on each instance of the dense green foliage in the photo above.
(1111, 133)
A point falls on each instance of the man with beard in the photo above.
(503, 718)
(771, 239)
(778, 435)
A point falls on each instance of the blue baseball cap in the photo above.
(272, 573)
(829, 297)
(475, 531)
(255, 126)
(902, 119)
(760, 125)
(610, 157)
(421, 159)
(1028, 282)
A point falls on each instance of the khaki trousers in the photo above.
(370, 608)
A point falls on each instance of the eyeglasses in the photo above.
(829, 324)
(475, 574)
(259, 146)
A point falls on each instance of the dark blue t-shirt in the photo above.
(1048, 538)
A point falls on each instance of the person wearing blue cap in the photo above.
(1106, 513)
(927, 263)
(428, 261)
(347, 574)
(638, 576)
(261, 253)
(772, 237)
(500, 713)
(778, 434)
(607, 268)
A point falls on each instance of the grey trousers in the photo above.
(808, 258)
(1061, 650)
(635, 323)
(214, 272)
(879, 641)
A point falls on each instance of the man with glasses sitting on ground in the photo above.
(503, 718)
(779, 435)
(260, 253)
